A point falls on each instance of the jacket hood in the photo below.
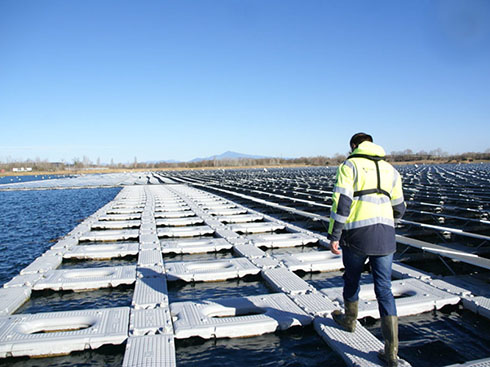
(368, 148)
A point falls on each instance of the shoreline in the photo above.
(153, 169)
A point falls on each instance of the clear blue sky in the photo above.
(159, 80)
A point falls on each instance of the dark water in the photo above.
(296, 347)
(31, 220)
(106, 356)
(449, 336)
(50, 301)
(248, 286)
(197, 257)
(27, 178)
(83, 264)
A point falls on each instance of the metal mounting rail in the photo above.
(452, 207)
(426, 246)
(443, 251)
(320, 217)
(309, 202)
(268, 203)
(473, 220)
(447, 229)
(440, 215)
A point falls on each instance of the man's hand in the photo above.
(334, 247)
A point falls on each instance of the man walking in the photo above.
(367, 200)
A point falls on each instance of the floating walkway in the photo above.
(148, 221)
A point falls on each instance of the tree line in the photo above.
(406, 156)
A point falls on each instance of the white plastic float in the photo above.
(26, 280)
(236, 317)
(150, 292)
(208, 271)
(125, 210)
(175, 214)
(65, 243)
(240, 218)
(150, 351)
(172, 208)
(12, 298)
(265, 262)
(113, 235)
(177, 222)
(315, 303)
(311, 261)
(217, 205)
(151, 321)
(248, 250)
(226, 211)
(194, 246)
(262, 227)
(282, 240)
(42, 264)
(120, 217)
(86, 279)
(359, 349)
(284, 280)
(116, 224)
(412, 297)
(190, 231)
(58, 333)
(405, 271)
(103, 251)
(478, 304)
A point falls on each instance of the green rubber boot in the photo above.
(348, 319)
(389, 329)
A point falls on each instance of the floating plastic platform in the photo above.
(412, 297)
(195, 246)
(311, 261)
(104, 251)
(160, 217)
(188, 231)
(237, 317)
(58, 333)
(240, 218)
(213, 270)
(85, 279)
(282, 240)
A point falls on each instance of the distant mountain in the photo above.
(228, 155)
(164, 161)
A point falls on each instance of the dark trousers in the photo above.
(381, 270)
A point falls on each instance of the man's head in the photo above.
(358, 139)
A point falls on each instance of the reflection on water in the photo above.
(31, 221)
(294, 347)
(197, 257)
(441, 338)
(83, 264)
(293, 250)
(106, 356)
(331, 279)
(50, 301)
(248, 286)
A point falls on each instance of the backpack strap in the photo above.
(378, 189)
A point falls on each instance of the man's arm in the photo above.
(397, 200)
(342, 196)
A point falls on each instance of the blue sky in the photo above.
(160, 80)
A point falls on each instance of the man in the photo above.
(367, 200)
